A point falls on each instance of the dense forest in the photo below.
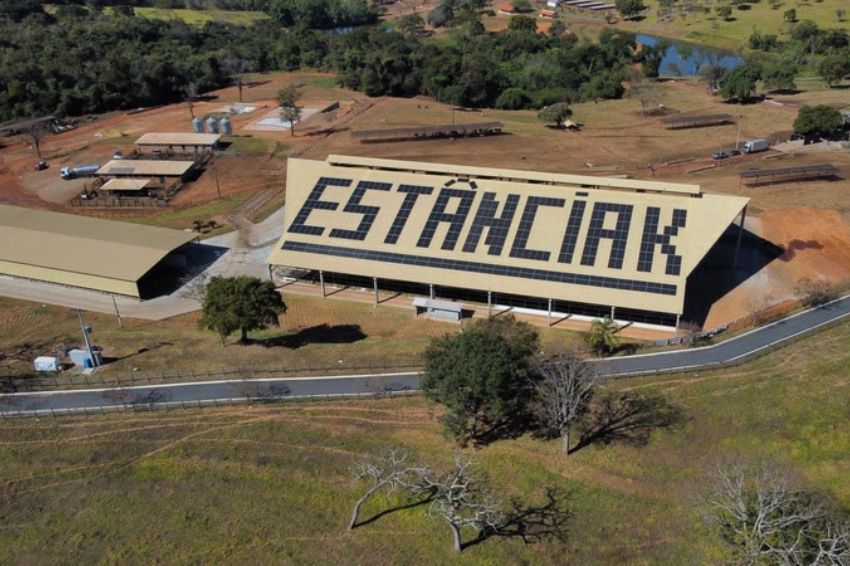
(79, 58)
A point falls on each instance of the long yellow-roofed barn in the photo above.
(577, 244)
(90, 253)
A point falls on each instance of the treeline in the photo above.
(83, 62)
(486, 70)
(826, 50)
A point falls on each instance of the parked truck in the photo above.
(87, 170)
(754, 146)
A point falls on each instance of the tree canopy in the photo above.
(820, 120)
(480, 375)
(240, 303)
(740, 83)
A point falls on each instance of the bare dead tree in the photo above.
(764, 520)
(37, 132)
(196, 288)
(814, 292)
(645, 90)
(833, 546)
(391, 470)
(191, 96)
(463, 500)
(235, 67)
(564, 388)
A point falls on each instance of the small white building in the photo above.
(553, 3)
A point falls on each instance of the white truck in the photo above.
(87, 170)
(754, 146)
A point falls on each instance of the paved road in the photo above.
(209, 392)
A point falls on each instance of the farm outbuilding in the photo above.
(574, 244)
(181, 142)
(146, 168)
(79, 251)
(129, 186)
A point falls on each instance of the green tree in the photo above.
(480, 375)
(779, 76)
(523, 23)
(602, 336)
(790, 16)
(724, 11)
(287, 98)
(412, 25)
(740, 82)
(513, 99)
(834, 67)
(630, 8)
(522, 5)
(555, 114)
(558, 28)
(240, 303)
(819, 120)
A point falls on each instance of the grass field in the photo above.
(710, 29)
(314, 332)
(200, 17)
(271, 483)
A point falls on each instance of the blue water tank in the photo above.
(197, 125)
(225, 126)
(212, 125)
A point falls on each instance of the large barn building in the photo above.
(580, 245)
(90, 253)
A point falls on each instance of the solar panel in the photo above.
(478, 267)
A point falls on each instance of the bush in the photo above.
(513, 99)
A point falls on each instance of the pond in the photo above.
(686, 58)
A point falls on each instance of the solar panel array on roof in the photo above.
(623, 248)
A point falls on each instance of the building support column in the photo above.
(431, 290)
(489, 304)
(375, 283)
(613, 312)
(740, 235)
(322, 281)
(271, 275)
(549, 319)
(677, 321)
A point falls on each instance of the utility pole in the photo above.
(217, 186)
(117, 312)
(738, 137)
(86, 338)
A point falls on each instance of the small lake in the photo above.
(686, 58)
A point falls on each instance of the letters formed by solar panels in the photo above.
(495, 230)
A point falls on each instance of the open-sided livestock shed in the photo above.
(575, 243)
(785, 174)
(145, 168)
(429, 132)
(79, 251)
(680, 121)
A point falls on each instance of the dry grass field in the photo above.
(314, 332)
(270, 483)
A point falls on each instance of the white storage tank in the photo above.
(225, 126)
(212, 125)
(197, 125)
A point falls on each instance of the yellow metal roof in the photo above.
(587, 181)
(178, 138)
(125, 185)
(142, 167)
(501, 230)
(83, 245)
